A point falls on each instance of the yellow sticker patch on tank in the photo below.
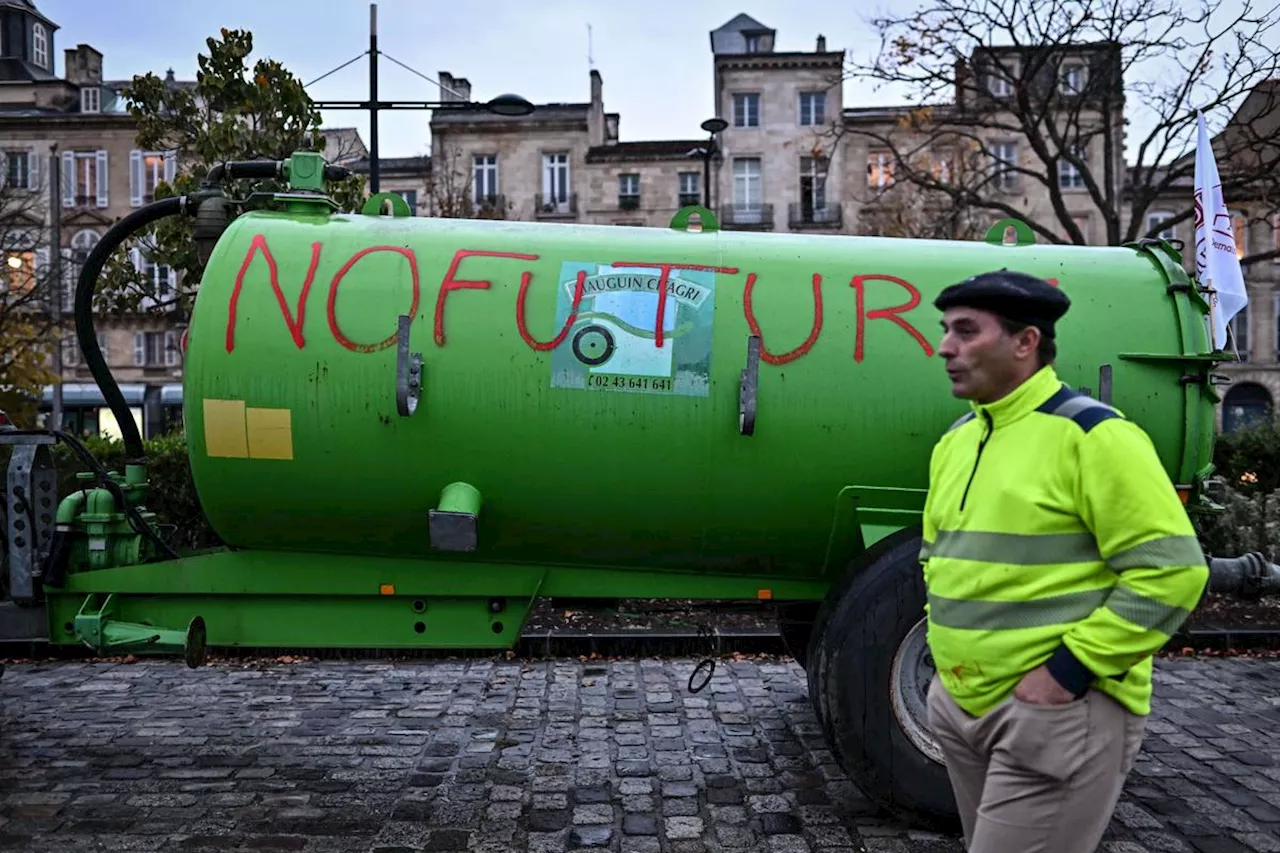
(270, 433)
(224, 429)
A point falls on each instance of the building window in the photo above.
(1157, 218)
(813, 108)
(746, 110)
(1000, 78)
(484, 178)
(813, 186)
(629, 191)
(555, 183)
(748, 193)
(84, 178)
(1240, 228)
(147, 170)
(19, 166)
(690, 192)
(1072, 81)
(90, 99)
(19, 273)
(1070, 177)
(155, 349)
(40, 46)
(880, 169)
(410, 198)
(1004, 157)
(753, 44)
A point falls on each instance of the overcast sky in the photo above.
(654, 56)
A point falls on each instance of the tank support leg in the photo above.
(96, 627)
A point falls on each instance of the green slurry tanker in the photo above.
(408, 430)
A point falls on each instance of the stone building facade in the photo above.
(80, 121)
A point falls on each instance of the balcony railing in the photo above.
(804, 214)
(746, 215)
(490, 206)
(629, 202)
(546, 206)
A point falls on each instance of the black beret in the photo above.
(1014, 295)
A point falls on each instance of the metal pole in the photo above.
(373, 97)
(706, 177)
(55, 264)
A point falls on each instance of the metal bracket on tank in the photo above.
(747, 388)
(1104, 384)
(408, 370)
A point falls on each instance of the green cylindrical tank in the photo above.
(585, 424)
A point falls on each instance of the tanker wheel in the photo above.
(869, 671)
(795, 626)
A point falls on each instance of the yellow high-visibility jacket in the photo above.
(1052, 535)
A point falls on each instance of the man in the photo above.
(1058, 558)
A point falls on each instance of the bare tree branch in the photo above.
(1032, 104)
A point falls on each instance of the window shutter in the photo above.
(102, 178)
(33, 169)
(170, 349)
(135, 178)
(70, 274)
(170, 166)
(68, 179)
(4, 169)
(104, 344)
(173, 283)
(139, 349)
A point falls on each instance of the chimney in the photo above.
(595, 115)
(822, 43)
(449, 85)
(83, 65)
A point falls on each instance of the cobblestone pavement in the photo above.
(544, 756)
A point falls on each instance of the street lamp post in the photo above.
(712, 126)
(503, 105)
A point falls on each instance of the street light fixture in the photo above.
(712, 126)
(503, 105)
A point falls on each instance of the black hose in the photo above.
(116, 235)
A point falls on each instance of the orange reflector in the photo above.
(387, 589)
(764, 594)
(1184, 495)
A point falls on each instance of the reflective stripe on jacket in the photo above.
(1052, 534)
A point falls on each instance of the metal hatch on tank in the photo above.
(407, 430)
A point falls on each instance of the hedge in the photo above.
(1247, 484)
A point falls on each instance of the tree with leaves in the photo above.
(233, 112)
(1028, 108)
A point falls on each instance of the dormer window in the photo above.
(753, 44)
(90, 99)
(40, 45)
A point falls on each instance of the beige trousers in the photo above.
(1036, 778)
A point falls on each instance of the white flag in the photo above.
(1217, 265)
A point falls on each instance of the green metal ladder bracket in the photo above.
(706, 219)
(97, 627)
(1194, 361)
(373, 206)
(998, 234)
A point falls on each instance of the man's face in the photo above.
(983, 361)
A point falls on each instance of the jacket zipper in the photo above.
(982, 444)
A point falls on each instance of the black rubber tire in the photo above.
(818, 656)
(862, 624)
(795, 626)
